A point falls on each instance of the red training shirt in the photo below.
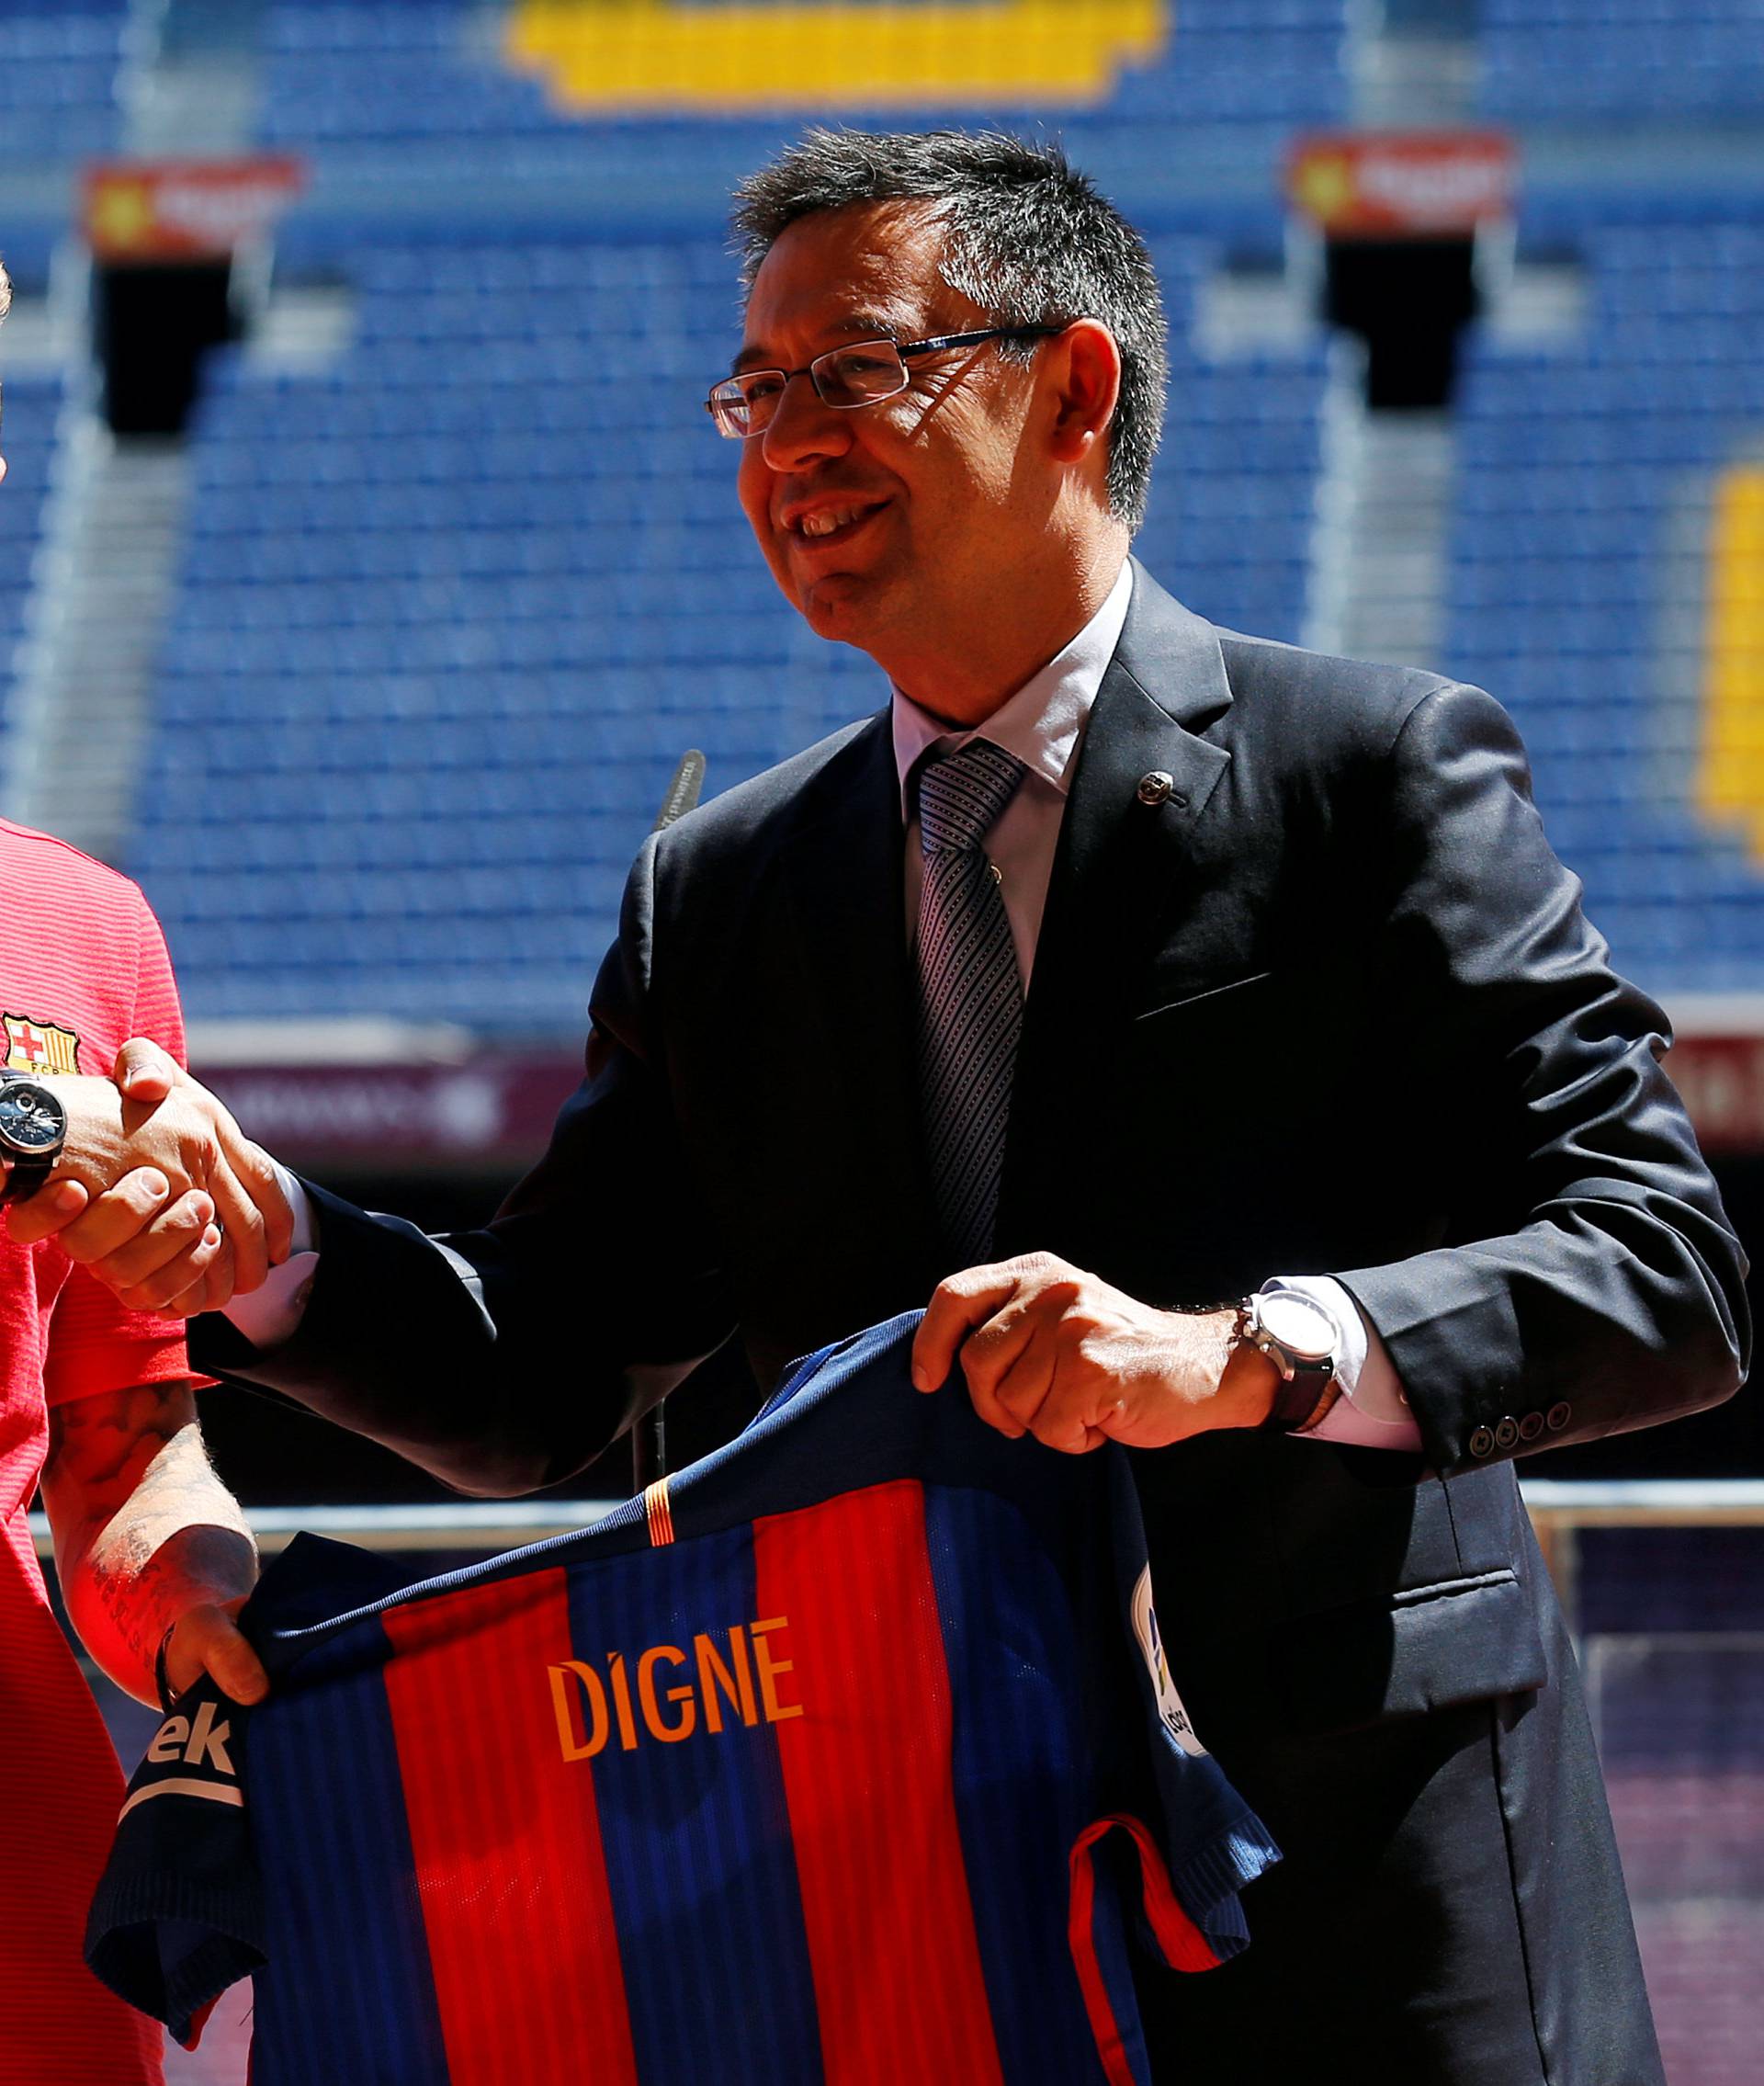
(83, 966)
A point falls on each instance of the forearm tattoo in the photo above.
(143, 1528)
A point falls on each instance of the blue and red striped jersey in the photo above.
(847, 1755)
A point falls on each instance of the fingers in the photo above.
(144, 1072)
(245, 1180)
(148, 1260)
(1021, 1329)
(239, 1219)
(958, 1305)
(264, 1181)
(1040, 1384)
(186, 1277)
(159, 1253)
(112, 1221)
(49, 1211)
(1007, 1368)
(205, 1639)
(213, 1286)
(270, 1218)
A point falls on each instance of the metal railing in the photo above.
(1559, 1509)
(447, 1525)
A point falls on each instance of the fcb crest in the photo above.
(34, 1045)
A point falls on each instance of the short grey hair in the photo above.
(1027, 237)
(5, 291)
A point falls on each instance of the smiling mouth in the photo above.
(832, 525)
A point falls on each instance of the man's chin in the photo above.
(839, 605)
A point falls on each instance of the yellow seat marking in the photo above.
(598, 56)
(1730, 780)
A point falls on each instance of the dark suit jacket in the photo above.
(1331, 1006)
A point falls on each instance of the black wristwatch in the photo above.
(1298, 1338)
(33, 1128)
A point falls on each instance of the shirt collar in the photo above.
(1043, 723)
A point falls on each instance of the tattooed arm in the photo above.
(147, 1537)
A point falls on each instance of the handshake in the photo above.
(157, 1191)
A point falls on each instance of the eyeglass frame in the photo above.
(936, 344)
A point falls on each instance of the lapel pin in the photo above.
(1154, 788)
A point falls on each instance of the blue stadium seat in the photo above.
(58, 81)
(1585, 476)
(1571, 59)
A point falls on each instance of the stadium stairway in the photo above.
(1378, 581)
(80, 708)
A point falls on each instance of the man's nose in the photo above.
(803, 428)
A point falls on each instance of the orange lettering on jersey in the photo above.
(713, 1674)
(686, 1722)
(770, 1666)
(622, 1700)
(716, 1676)
(578, 1744)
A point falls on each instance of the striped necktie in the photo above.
(970, 993)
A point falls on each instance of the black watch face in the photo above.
(32, 1121)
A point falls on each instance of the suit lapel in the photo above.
(1118, 878)
(843, 873)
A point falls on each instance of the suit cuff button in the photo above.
(1531, 1426)
(1481, 1442)
(1558, 1415)
(1506, 1432)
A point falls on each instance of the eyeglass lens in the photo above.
(860, 375)
(863, 374)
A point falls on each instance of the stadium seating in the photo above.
(58, 79)
(1553, 61)
(451, 610)
(458, 600)
(32, 408)
(1584, 569)
(419, 69)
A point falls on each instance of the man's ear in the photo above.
(1085, 368)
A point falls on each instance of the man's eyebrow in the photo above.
(855, 325)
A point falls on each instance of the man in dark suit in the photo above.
(1325, 1162)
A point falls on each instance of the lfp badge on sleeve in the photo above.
(1151, 1648)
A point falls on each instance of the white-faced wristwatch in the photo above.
(1299, 1338)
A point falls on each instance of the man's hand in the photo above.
(158, 1191)
(205, 1639)
(150, 1546)
(1050, 1351)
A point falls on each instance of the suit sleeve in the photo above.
(1609, 1292)
(508, 1358)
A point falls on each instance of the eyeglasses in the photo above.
(865, 373)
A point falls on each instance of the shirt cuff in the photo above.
(1372, 1410)
(270, 1314)
(306, 1218)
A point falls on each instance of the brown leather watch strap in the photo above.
(1301, 1400)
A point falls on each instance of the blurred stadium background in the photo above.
(366, 562)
